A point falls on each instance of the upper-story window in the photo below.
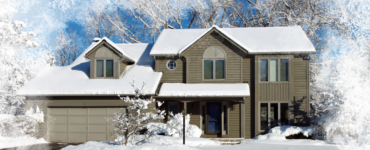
(104, 70)
(274, 70)
(214, 62)
(171, 65)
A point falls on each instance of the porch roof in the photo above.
(204, 90)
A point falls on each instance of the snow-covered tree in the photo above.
(343, 79)
(139, 113)
(68, 45)
(17, 66)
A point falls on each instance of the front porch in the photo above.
(219, 110)
(216, 117)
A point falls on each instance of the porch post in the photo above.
(185, 106)
(242, 105)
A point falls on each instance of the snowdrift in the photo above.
(280, 132)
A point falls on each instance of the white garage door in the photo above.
(80, 124)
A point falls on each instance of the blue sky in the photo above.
(48, 17)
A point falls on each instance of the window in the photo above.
(273, 114)
(174, 108)
(171, 65)
(214, 63)
(100, 68)
(104, 72)
(274, 70)
(109, 68)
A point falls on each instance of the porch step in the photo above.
(228, 141)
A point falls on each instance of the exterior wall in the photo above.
(234, 120)
(249, 77)
(194, 59)
(193, 108)
(295, 92)
(170, 76)
(301, 102)
(122, 67)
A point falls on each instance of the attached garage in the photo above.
(74, 125)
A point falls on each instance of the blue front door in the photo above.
(214, 118)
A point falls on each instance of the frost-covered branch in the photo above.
(139, 113)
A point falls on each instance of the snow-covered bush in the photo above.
(281, 132)
(128, 124)
(174, 127)
(21, 125)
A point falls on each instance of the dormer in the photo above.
(107, 61)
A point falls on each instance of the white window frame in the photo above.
(169, 62)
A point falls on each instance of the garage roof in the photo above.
(74, 79)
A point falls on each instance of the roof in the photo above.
(119, 49)
(204, 90)
(74, 79)
(256, 40)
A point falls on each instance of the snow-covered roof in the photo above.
(256, 40)
(204, 90)
(74, 79)
(119, 49)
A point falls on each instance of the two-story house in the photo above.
(235, 82)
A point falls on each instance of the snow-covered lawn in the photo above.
(208, 145)
(275, 140)
(7, 142)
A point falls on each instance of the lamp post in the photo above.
(183, 126)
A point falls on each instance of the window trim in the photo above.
(268, 113)
(169, 62)
(214, 69)
(104, 68)
(279, 68)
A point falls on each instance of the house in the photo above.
(234, 82)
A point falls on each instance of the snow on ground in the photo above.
(6, 142)
(277, 145)
(105, 146)
(275, 140)
(247, 144)
(190, 141)
(280, 132)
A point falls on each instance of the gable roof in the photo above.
(74, 79)
(113, 45)
(256, 40)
